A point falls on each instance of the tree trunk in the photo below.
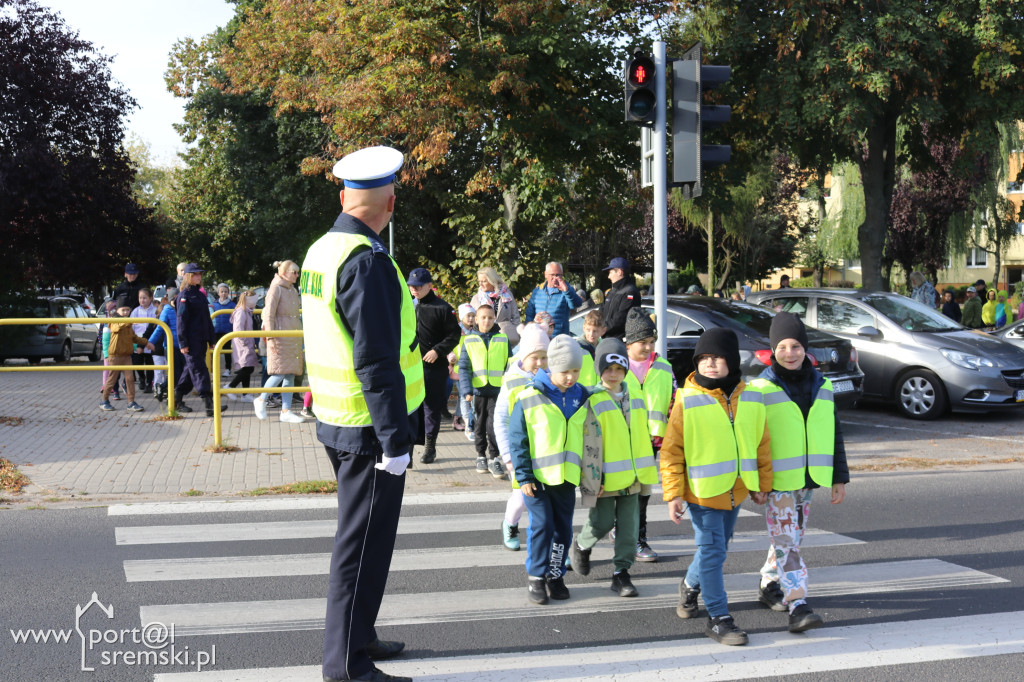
(819, 266)
(878, 172)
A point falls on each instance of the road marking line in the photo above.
(933, 432)
(769, 655)
(228, 567)
(509, 603)
(284, 530)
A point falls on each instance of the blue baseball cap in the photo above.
(131, 269)
(618, 263)
(192, 268)
(418, 277)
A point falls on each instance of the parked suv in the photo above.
(58, 341)
(911, 354)
(691, 316)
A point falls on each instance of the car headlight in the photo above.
(966, 360)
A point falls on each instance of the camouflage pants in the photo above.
(786, 515)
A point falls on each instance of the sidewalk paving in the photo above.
(67, 446)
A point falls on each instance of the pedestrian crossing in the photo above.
(243, 559)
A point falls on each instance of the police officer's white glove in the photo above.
(393, 465)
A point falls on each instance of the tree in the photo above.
(66, 203)
(826, 79)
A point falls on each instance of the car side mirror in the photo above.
(870, 332)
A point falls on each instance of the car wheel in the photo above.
(921, 395)
(97, 351)
(65, 353)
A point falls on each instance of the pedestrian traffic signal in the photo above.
(641, 98)
(691, 118)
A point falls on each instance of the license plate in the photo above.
(845, 386)
(1020, 396)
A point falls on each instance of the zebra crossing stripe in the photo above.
(207, 568)
(326, 528)
(769, 655)
(509, 603)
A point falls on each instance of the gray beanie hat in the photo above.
(639, 326)
(564, 353)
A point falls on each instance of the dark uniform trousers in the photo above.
(194, 374)
(483, 430)
(369, 505)
(435, 378)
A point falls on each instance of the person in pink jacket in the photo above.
(243, 350)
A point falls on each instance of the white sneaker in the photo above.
(469, 434)
(247, 398)
(230, 396)
(260, 407)
(291, 418)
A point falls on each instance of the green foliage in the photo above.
(802, 282)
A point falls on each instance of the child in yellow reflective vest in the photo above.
(463, 420)
(593, 329)
(545, 437)
(482, 365)
(807, 453)
(716, 449)
(618, 463)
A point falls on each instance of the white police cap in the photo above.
(369, 168)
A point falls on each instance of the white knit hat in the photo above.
(533, 339)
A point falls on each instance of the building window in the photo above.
(977, 258)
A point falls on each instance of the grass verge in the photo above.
(11, 480)
(299, 488)
(895, 463)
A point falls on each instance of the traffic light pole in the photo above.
(660, 178)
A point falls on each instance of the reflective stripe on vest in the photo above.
(556, 443)
(798, 445)
(328, 344)
(487, 362)
(717, 450)
(657, 394)
(588, 372)
(515, 386)
(626, 448)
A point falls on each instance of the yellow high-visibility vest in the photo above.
(657, 394)
(488, 361)
(797, 446)
(328, 345)
(588, 372)
(556, 443)
(717, 450)
(626, 448)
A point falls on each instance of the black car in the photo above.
(690, 316)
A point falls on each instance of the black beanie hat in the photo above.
(719, 341)
(639, 326)
(787, 326)
(610, 352)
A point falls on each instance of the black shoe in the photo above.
(723, 630)
(771, 596)
(538, 595)
(557, 588)
(481, 465)
(148, 388)
(803, 618)
(429, 451)
(181, 406)
(381, 650)
(580, 558)
(497, 469)
(687, 606)
(623, 585)
(375, 675)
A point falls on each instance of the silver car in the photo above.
(911, 354)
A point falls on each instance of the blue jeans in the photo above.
(712, 530)
(550, 529)
(286, 380)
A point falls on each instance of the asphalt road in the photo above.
(965, 525)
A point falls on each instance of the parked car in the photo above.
(690, 316)
(911, 354)
(58, 341)
(82, 298)
(1011, 333)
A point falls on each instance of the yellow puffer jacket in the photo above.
(674, 481)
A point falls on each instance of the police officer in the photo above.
(127, 292)
(366, 374)
(195, 333)
(437, 332)
(620, 299)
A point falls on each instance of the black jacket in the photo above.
(620, 298)
(129, 292)
(437, 327)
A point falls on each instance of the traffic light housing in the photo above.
(691, 118)
(641, 98)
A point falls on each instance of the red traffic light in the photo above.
(641, 71)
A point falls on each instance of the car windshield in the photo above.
(910, 314)
(744, 316)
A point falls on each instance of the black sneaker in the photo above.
(724, 631)
(538, 594)
(687, 606)
(803, 618)
(580, 558)
(557, 588)
(623, 585)
(497, 469)
(481, 465)
(771, 596)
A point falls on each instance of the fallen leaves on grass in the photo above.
(11, 479)
(894, 463)
(299, 488)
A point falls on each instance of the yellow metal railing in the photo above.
(209, 350)
(169, 367)
(218, 391)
